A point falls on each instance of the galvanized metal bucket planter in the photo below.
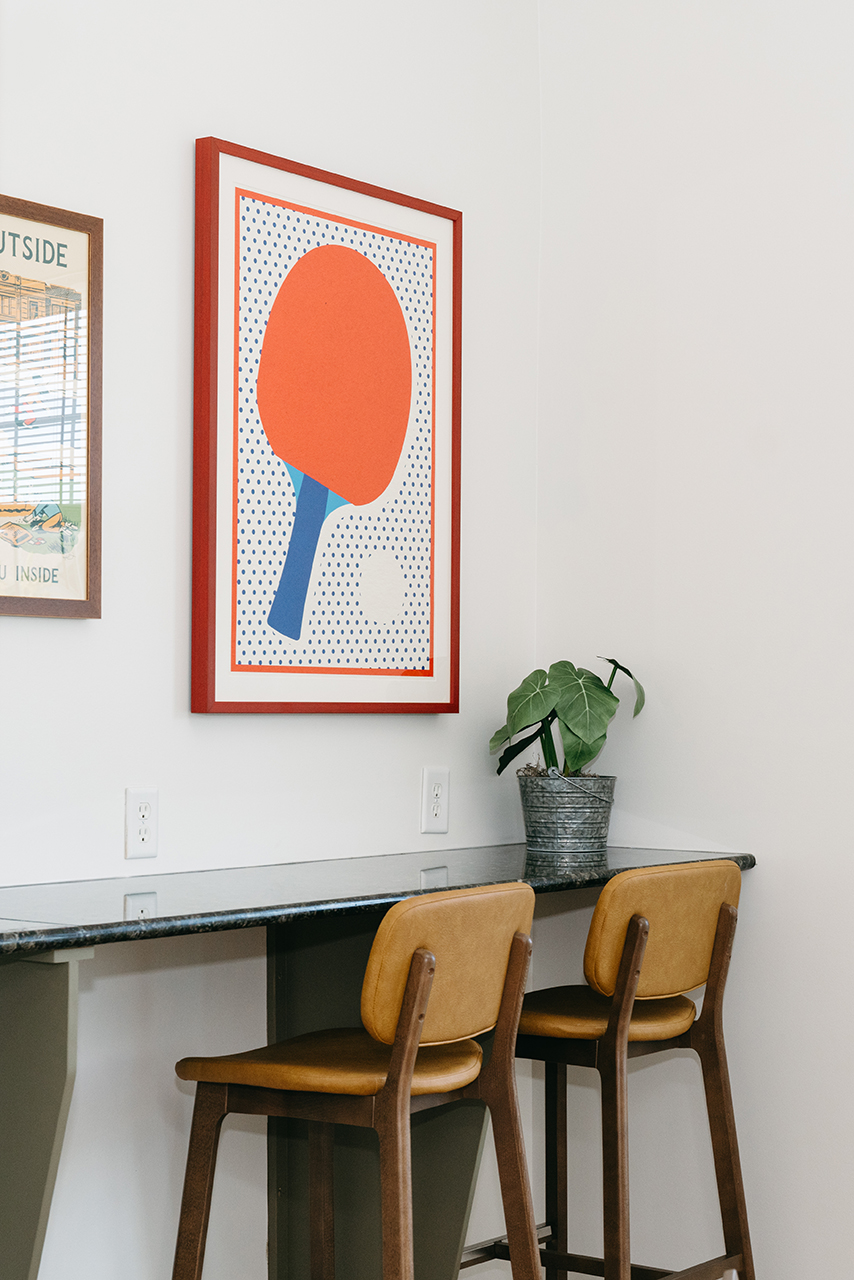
(566, 820)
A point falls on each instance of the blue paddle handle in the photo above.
(289, 604)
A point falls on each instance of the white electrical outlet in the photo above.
(435, 789)
(140, 906)
(140, 824)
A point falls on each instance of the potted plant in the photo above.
(566, 811)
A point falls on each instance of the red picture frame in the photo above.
(326, 460)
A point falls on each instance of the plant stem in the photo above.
(549, 753)
(611, 680)
(516, 749)
(511, 752)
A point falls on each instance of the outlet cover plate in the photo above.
(140, 906)
(435, 791)
(141, 822)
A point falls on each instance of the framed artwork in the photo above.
(326, 442)
(51, 270)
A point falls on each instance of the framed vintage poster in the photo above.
(327, 442)
(51, 265)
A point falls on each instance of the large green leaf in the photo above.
(498, 739)
(583, 703)
(578, 753)
(532, 701)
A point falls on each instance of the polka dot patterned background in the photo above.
(368, 606)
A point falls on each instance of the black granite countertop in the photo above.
(83, 913)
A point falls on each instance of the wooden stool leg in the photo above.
(725, 1148)
(320, 1193)
(515, 1187)
(557, 1191)
(396, 1193)
(612, 1064)
(208, 1113)
(707, 1038)
(497, 1087)
(615, 1167)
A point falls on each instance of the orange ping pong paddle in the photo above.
(334, 390)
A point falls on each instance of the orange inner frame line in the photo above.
(315, 448)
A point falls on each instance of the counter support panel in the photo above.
(38, 1060)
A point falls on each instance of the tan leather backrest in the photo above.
(681, 903)
(469, 931)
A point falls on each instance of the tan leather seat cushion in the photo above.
(337, 1061)
(577, 1013)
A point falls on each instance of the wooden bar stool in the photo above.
(636, 1004)
(476, 943)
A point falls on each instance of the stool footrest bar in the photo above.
(711, 1270)
(484, 1250)
(581, 1264)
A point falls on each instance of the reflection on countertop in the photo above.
(82, 913)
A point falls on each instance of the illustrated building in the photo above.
(22, 299)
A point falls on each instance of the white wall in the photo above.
(99, 107)
(695, 516)
(684, 279)
(438, 100)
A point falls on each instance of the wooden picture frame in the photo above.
(51, 326)
(326, 472)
